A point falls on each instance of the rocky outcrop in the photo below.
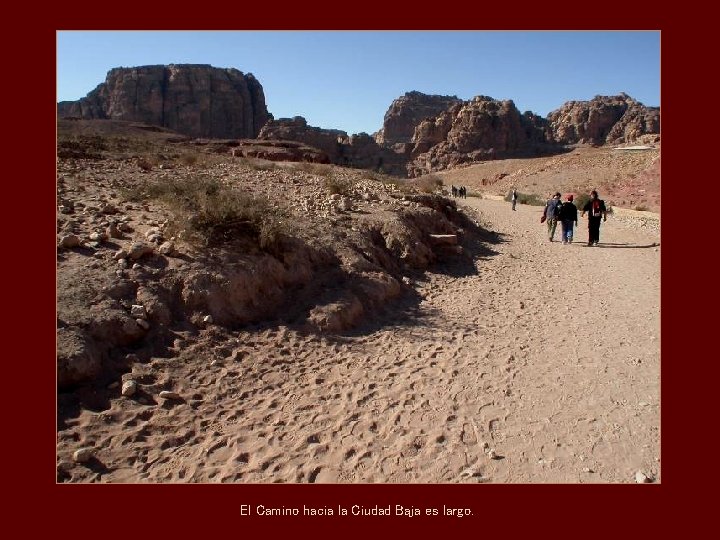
(192, 99)
(297, 129)
(602, 120)
(477, 130)
(357, 151)
(406, 113)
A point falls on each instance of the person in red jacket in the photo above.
(596, 210)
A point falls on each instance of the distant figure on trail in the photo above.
(454, 191)
(550, 214)
(513, 198)
(596, 211)
(568, 218)
(464, 192)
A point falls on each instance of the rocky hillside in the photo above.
(158, 241)
(406, 113)
(477, 130)
(603, 120)
(195, 100)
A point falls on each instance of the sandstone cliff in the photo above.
(406, 112)
(603, 120)
(193, 99)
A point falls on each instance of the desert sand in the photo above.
(536, 363)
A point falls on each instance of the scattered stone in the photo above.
(168, 249)
(70, 241)
(83, 455)
(98, 237)
(492, 454)
(443, 239)
(139, 249)
(587, 470)
(122, 254)
(406, 281)
(113, 231)
(642, 478)
(165, 394)
(138, 311)
(522, 305)
(208, 319)
(136, 266)
(142, 323)
(129, 388)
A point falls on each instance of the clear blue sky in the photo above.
(347, 79)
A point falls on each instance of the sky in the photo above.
(347, 79)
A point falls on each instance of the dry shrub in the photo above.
(337, 186)
(429, 183)
(318, 169)
(204, 209)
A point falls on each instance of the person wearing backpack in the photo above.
(596, 212)
(551, 212)
(568, 219)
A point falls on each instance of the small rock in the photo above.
(492, 454)
(138, 311)
(136, 266)
(587, 470)
(64, 466)
(642, 478)
(142, 323)
(122, 254)
(139, 249)
(70, 241)
(83, 455)
(167, 248)
(113, 231)
(208, 319)
(165, 394)
(129, 388)
(522, 305)
(406, 281)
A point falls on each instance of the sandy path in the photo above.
(548, 354)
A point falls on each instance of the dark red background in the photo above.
(37, 502)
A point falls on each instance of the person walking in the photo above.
(597, 211)
(513, 198)
(552, 209)
(568, 218)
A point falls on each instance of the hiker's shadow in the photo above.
(611, 245)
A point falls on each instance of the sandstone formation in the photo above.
(406, 112)
(477, 130)
(603, 120)
(357, 151)
(193, 99)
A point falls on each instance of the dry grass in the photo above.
(207, 211)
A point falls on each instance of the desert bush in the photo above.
(337, 186)
(527, 198)
(189, 159)
(318, 169)
(581, 200)
(641, 208)
(428, 183)
(208, 211)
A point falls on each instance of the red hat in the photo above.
(570, 197)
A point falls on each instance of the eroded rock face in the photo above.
(407, 112)
(297, 129)
(193, 99)
(477, 130)
(602, 120)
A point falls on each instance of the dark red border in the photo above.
(207, 510)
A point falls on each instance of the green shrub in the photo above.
(527, 198)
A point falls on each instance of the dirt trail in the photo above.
(540, 364)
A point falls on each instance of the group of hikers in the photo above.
(567, 214)
(459, 192)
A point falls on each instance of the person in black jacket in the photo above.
(596, 212)
(568, 219)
